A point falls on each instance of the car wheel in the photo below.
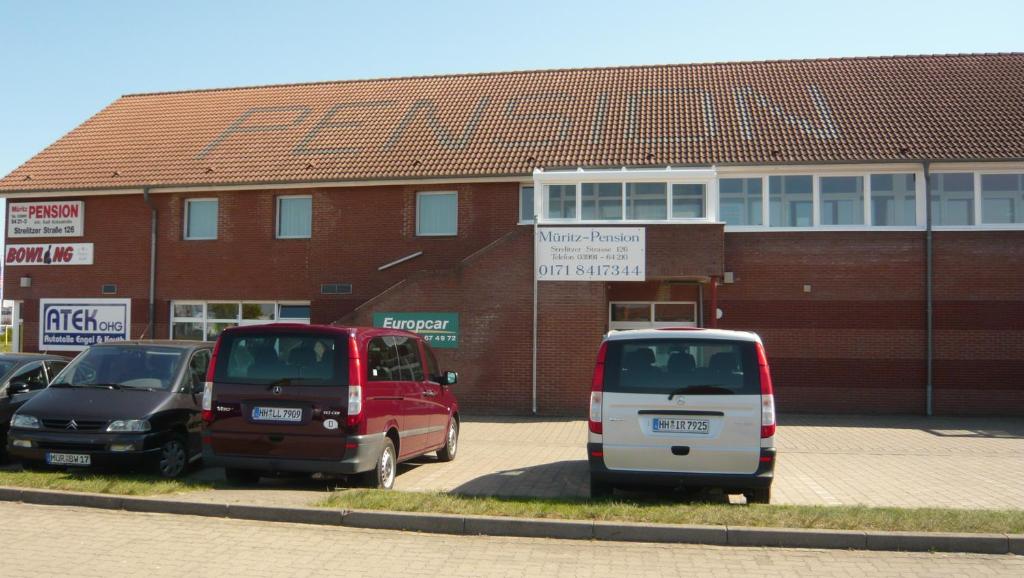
(241, 477)
(173, 458)
(600, 488)
(451, 445)
(383, 475)
(758, 495)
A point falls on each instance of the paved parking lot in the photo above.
(827, 460)
(56, 541)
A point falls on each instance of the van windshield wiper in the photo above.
(100, 385)
(708, 388)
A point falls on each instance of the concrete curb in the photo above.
(540, 528)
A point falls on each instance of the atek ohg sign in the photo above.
(74, 324)
(49, 254)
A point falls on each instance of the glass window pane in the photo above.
(894, 200)
(688, 201)
(842, 200)
(561, 201)
(631, 311)
(190, 310)
(294, 312)
(189, 331)
(261, 311)
(740, 201)
(525, 204)
(601, 201)
(1002, 199)
(222, 311)
(437, 214)
(295, 217)
(790, 201)
(675, 312)
(213, 330)
(647, 201)
(202, 219)
(952, 198)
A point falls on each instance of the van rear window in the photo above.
(682, 366)
(282, 359)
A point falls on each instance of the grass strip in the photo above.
(121, 484)
(674, 512)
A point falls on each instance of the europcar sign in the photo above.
(440, 330)
(45, 219)
(74, 324)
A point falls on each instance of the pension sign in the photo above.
(45, 219)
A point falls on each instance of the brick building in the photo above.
(786, 198)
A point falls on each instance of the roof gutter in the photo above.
(928, 290)
(151, 327)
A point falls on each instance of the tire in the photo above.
(382, 476)
(758, 495)
(600, 489)
(451, 444)
(241, 477)
(173, 458)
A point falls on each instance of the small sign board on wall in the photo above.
(46, 219)
(591, 254)
(440, 330)
(49, 254)
(74, 324)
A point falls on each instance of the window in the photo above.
(790, 201)
(525, 204)
(1002, 199)
(382, 360)
(29, 378)
(842, 200)
(646, 201)
(601, 201)
(681, 366)
(894, 200)
(561, 201)
(294, 217)
(204, 321)
(739, 201)
(197, 368)
(201, 219)
(287, 359)
(688, 201)
(54, 367)
(433, 374)
(952, 198)
(437, 214)
(409, 359)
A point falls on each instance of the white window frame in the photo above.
(420, 195)
(205, 320)
(764, 200)
(277, 217)
(216, 220)
(920, 197)
(520, 219)
(624, 325)
(865, 191)
(979, 201)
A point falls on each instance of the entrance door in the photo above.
(651, 314)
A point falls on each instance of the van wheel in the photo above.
(173, 458)
(451, 444)
(758, 495)
(600, 489)
(382, 476)
(241, 477)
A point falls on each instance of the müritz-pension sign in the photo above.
(45, 219)
(591, 254)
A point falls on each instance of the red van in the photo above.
(336, 400)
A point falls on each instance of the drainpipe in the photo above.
(929, 309)
(152, 263)
(713, 322)
(533, 377)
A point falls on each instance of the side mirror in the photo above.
(450, 378)
(16, 387)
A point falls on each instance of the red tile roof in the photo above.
(943, 107)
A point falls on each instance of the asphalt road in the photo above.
(50, 540)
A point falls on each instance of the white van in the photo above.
(682, 407)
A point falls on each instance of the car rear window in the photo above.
(682, 366)
(282, 359)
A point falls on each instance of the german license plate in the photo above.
(673, 425)
(68, 459)
(285, 414)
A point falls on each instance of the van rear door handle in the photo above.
(429, 393)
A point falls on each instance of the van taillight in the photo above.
(767, 395)
(355, 405)
(597, 391)
(355, 388)
(207, 409)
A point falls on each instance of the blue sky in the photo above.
(61, 62)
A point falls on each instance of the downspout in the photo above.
(152, 263)
(713, 322)
(929, 310)
(533, 377)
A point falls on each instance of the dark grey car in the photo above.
(22, 376)
(118, 404)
